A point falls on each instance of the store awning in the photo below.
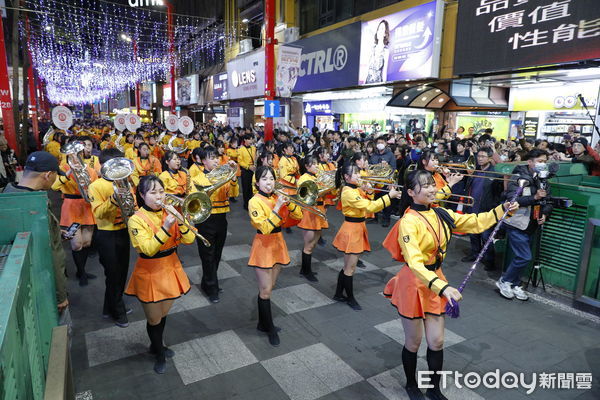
(456, 95)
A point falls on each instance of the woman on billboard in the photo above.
(379, 55)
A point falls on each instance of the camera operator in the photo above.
(522, 226)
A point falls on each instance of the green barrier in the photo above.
(27, 296)
(561, 253)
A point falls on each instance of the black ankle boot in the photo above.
(339, 290)
(307, 268)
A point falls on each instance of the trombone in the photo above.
(187, 208)
(305, 197)
(469, 201)
(469, 167)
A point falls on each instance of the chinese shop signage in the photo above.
(501, 35)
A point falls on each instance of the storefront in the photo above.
(550, 112)
(244, 84)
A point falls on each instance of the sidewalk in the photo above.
(328, 351)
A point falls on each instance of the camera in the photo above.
(556, 202)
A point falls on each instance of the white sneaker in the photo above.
(505, 289)
(520, 293)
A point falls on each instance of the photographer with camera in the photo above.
(522, 226)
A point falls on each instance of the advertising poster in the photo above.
(500, 125)
(329, 60)
(502, 35)
(186, 90)
(246, 76)
(220, 87)
(404, 45)
(288, 67)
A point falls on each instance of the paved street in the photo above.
(328, 351)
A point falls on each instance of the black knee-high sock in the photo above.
(349, 286)
(265, 318)
(155, 334)
(80, 258)
(409, 362)
(306, 261)
(435, 361)
(339, 290)
(163, 321)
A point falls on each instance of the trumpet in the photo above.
(188, 206)
(469, 201)
(305, 197)
(73, 152)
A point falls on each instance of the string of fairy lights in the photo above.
(84, 49)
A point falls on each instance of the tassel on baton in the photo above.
(452, 308)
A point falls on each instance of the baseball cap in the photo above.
(42, 161)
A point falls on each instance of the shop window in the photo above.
(344, 9)
(309, 16)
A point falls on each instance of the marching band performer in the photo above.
(75, 209)
(158, 277)
(88, 158)
(429, 162)
(214, 229)
(266, 158)
(224, 159)
(288, 170)
(231, 150)
(247, 161)
(311, 224)
(420, 290)
(131, 152)
(155, 148)
(175, 180)
(269, 251)
(352, 239)
(112, 242)
(145, 164)
(53, 147)
(196, 166)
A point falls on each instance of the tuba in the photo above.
(73, 152)
(48, 136)
(118, 144)
(117, 170)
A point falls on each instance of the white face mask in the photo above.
(380, 146)
(309, 145)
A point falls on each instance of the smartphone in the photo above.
(71, 231)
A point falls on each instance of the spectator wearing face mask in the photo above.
(383, 154)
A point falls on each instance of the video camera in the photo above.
(542, 177)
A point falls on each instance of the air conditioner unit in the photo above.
(245, 46)
(291, 34)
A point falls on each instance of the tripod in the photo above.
(537, 267)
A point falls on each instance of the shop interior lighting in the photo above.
(245, 20)
(371, 92)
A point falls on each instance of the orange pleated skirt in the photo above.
(76, 210)
(268, 250)
(312, 222)
(352, 238)
(412, 298)
(158, 279)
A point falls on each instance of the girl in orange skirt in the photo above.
(420, 290)
(352, 238)
(158, 278)
(311, 224)
(76, 210)
(269, 251)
